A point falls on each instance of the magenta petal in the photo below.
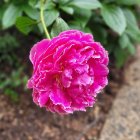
(29, 84)
(84, 79)
(38, 49)
(35, 96)
(100, 70)
(68, 72)
(43, 99)
(88, 37)
(82, 68)
(58, 97)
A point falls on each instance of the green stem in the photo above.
(42, 18)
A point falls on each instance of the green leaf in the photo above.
(10, 16)
(87, 30)
(132, 27)
(128, 2)
(40, 28)
(2, 9)
(24, 82)
(75, 25)
(114, 18)
(49, 5)
(24, 24)
(4, 83)
(50, 16)
(63, 2)
(135, 35)
(31, 12)
(12, 94)
(59, 26)
(121, 56)
(99, 33)
(86, 4)
(124, 41)
(82, 16)
(67, 9)
(130, 18)
(32, 2)
(131, 48)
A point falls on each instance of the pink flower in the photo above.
(69, 71)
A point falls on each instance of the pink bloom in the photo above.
(69, 71)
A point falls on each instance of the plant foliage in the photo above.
(13, 82)
(8, 45)
(112, 22)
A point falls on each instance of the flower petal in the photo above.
(38, 49)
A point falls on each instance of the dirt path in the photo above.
(123, 122)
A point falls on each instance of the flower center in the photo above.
(59, 83)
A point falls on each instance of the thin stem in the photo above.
(42, 18)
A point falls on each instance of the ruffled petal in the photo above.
(38, 49)
(58, 97)
(69, 71)
(43, 98)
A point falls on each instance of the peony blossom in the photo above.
(68, 72)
